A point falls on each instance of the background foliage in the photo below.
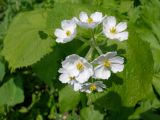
(30, 58)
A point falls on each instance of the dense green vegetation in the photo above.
(30, 59)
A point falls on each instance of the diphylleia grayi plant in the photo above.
(76, 70)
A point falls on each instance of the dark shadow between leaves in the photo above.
(121, 51)
(112, 47)
(114, 79)
(43, 35)
(111, 106)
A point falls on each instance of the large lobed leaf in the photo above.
(27, 40)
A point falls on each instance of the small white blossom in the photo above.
(106, 63)
(77, 67)
(96, 86)
(89, 21)
(115, 31)
(67, 78)
(67, 33)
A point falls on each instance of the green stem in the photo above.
(95, 43)
(83, 40)
(89, 102)
(89, 54)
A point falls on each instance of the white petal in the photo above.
(70, 38)
(77, 86)
(64, 78)
(73, 72)
(110, 21)
(122, 36)
(88, 91)
(117, 59)
(110, 35)
(68, 24)
(97, 17)
(108, 24)
(121, 26)
(117, 68)
(99, 60)
(64, 40)
(100, 84)
(62, 70)
(83, 16)
(60, 33)
(75, 19)
(69, 65)
(109, 55)
(70, 61)
(60, 40)
(83, 76)
(87, 25)
(99, 89)
(101, 73)
(102, 57)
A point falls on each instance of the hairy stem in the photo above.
(89, 54)
(95, 43)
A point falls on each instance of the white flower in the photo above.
(67, 78)
(67, 33)
(113, 31)
(89, 21)
(106, 63)
(96, 86)
(77, 67)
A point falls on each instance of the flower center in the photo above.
(80, 66)
(93, 87)
(68, 33)
(72, 78)
(90, 20)
(113, 30)
(107, 63)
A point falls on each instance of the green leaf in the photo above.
(68, 99)
(11, 92)
(90, 114)
(2, 70)
(125, 6)
(145, 106)
(137, 76)
(27, 40)
(156, 82)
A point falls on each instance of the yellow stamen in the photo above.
(72, 78)
(113, 30)
(107, 63)
(93, 87)
(90, 20)
(68, 33)
(80, 66)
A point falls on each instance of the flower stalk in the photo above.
(95, 43)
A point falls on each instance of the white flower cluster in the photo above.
(76, 70)
(111, 29)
